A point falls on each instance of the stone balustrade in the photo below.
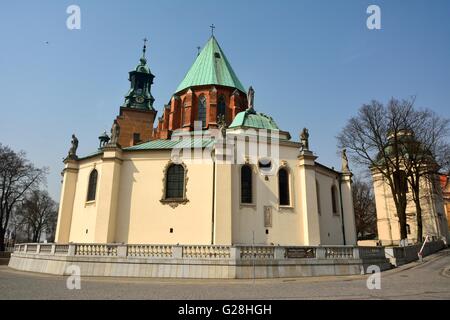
(209, 261)
(243, 252)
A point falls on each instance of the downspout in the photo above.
(342, 209)
(213, 195)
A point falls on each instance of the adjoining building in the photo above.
(212, 170)
(434, 220)
(445, 185)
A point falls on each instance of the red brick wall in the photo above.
(133, 121)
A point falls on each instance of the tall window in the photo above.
(283, 187)
(92, 187)
(221, 106)
(334, 199)
(318, 197)
(246, 184)
(202, 110)
(175, 182)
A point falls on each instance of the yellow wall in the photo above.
(130, 186)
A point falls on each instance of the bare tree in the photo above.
(17, 176)
(372, 139)
(39, 214)
(365, 210)
(427, 152)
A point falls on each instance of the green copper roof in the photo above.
(170, 144)
(211, 67)
(252, 119)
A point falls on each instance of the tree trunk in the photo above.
(2, 240)
(419, 221)
(401, 213)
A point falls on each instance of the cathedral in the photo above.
(210, 170)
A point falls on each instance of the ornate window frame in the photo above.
(174, 202)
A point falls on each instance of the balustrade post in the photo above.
(71, 251)
(53, 249)
(26, 248)
(235, 253)
(177, 252)
(320, 253)
(122, 250)
(356, 253)
(279, 253)
(38, 249)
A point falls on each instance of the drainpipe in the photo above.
(342, 209)
(213, 195)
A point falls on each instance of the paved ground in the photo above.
(427, 280)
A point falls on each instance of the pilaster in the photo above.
(70, 176)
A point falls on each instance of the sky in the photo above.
(312, 63)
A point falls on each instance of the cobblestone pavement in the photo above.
(427, 280)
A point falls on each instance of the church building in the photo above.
(211, 170)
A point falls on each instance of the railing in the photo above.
(239, 252)
(101, 250)
(256, 252)
(338, 252)
(138, 250)
(62, 249)
(206, 252)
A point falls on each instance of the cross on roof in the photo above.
(212, 29)
(145, 47)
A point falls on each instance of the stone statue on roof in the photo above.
(345, 167)
(115, 133)
(304, 139)
(251, 97)
(73, 149)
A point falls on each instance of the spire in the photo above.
(211, 67)
(144, 49)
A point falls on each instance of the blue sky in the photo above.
(311, 63)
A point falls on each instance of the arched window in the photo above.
(318, 197)
(246, 184)
(221, 106)
(283, 187)
(334, 199)
(202, 110)
(175, 182)
(92, 186)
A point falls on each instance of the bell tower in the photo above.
(137, 114)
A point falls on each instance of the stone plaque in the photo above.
(300, 253)
(268, 217)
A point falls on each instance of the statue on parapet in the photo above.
(115, 134)
(304, 139)
(73, 149)
(345, 167)
(251, 98)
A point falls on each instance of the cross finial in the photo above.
(212, 29)
(198, 51)
(145, 47)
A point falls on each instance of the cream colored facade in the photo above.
(434, 220)
(131, 183)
